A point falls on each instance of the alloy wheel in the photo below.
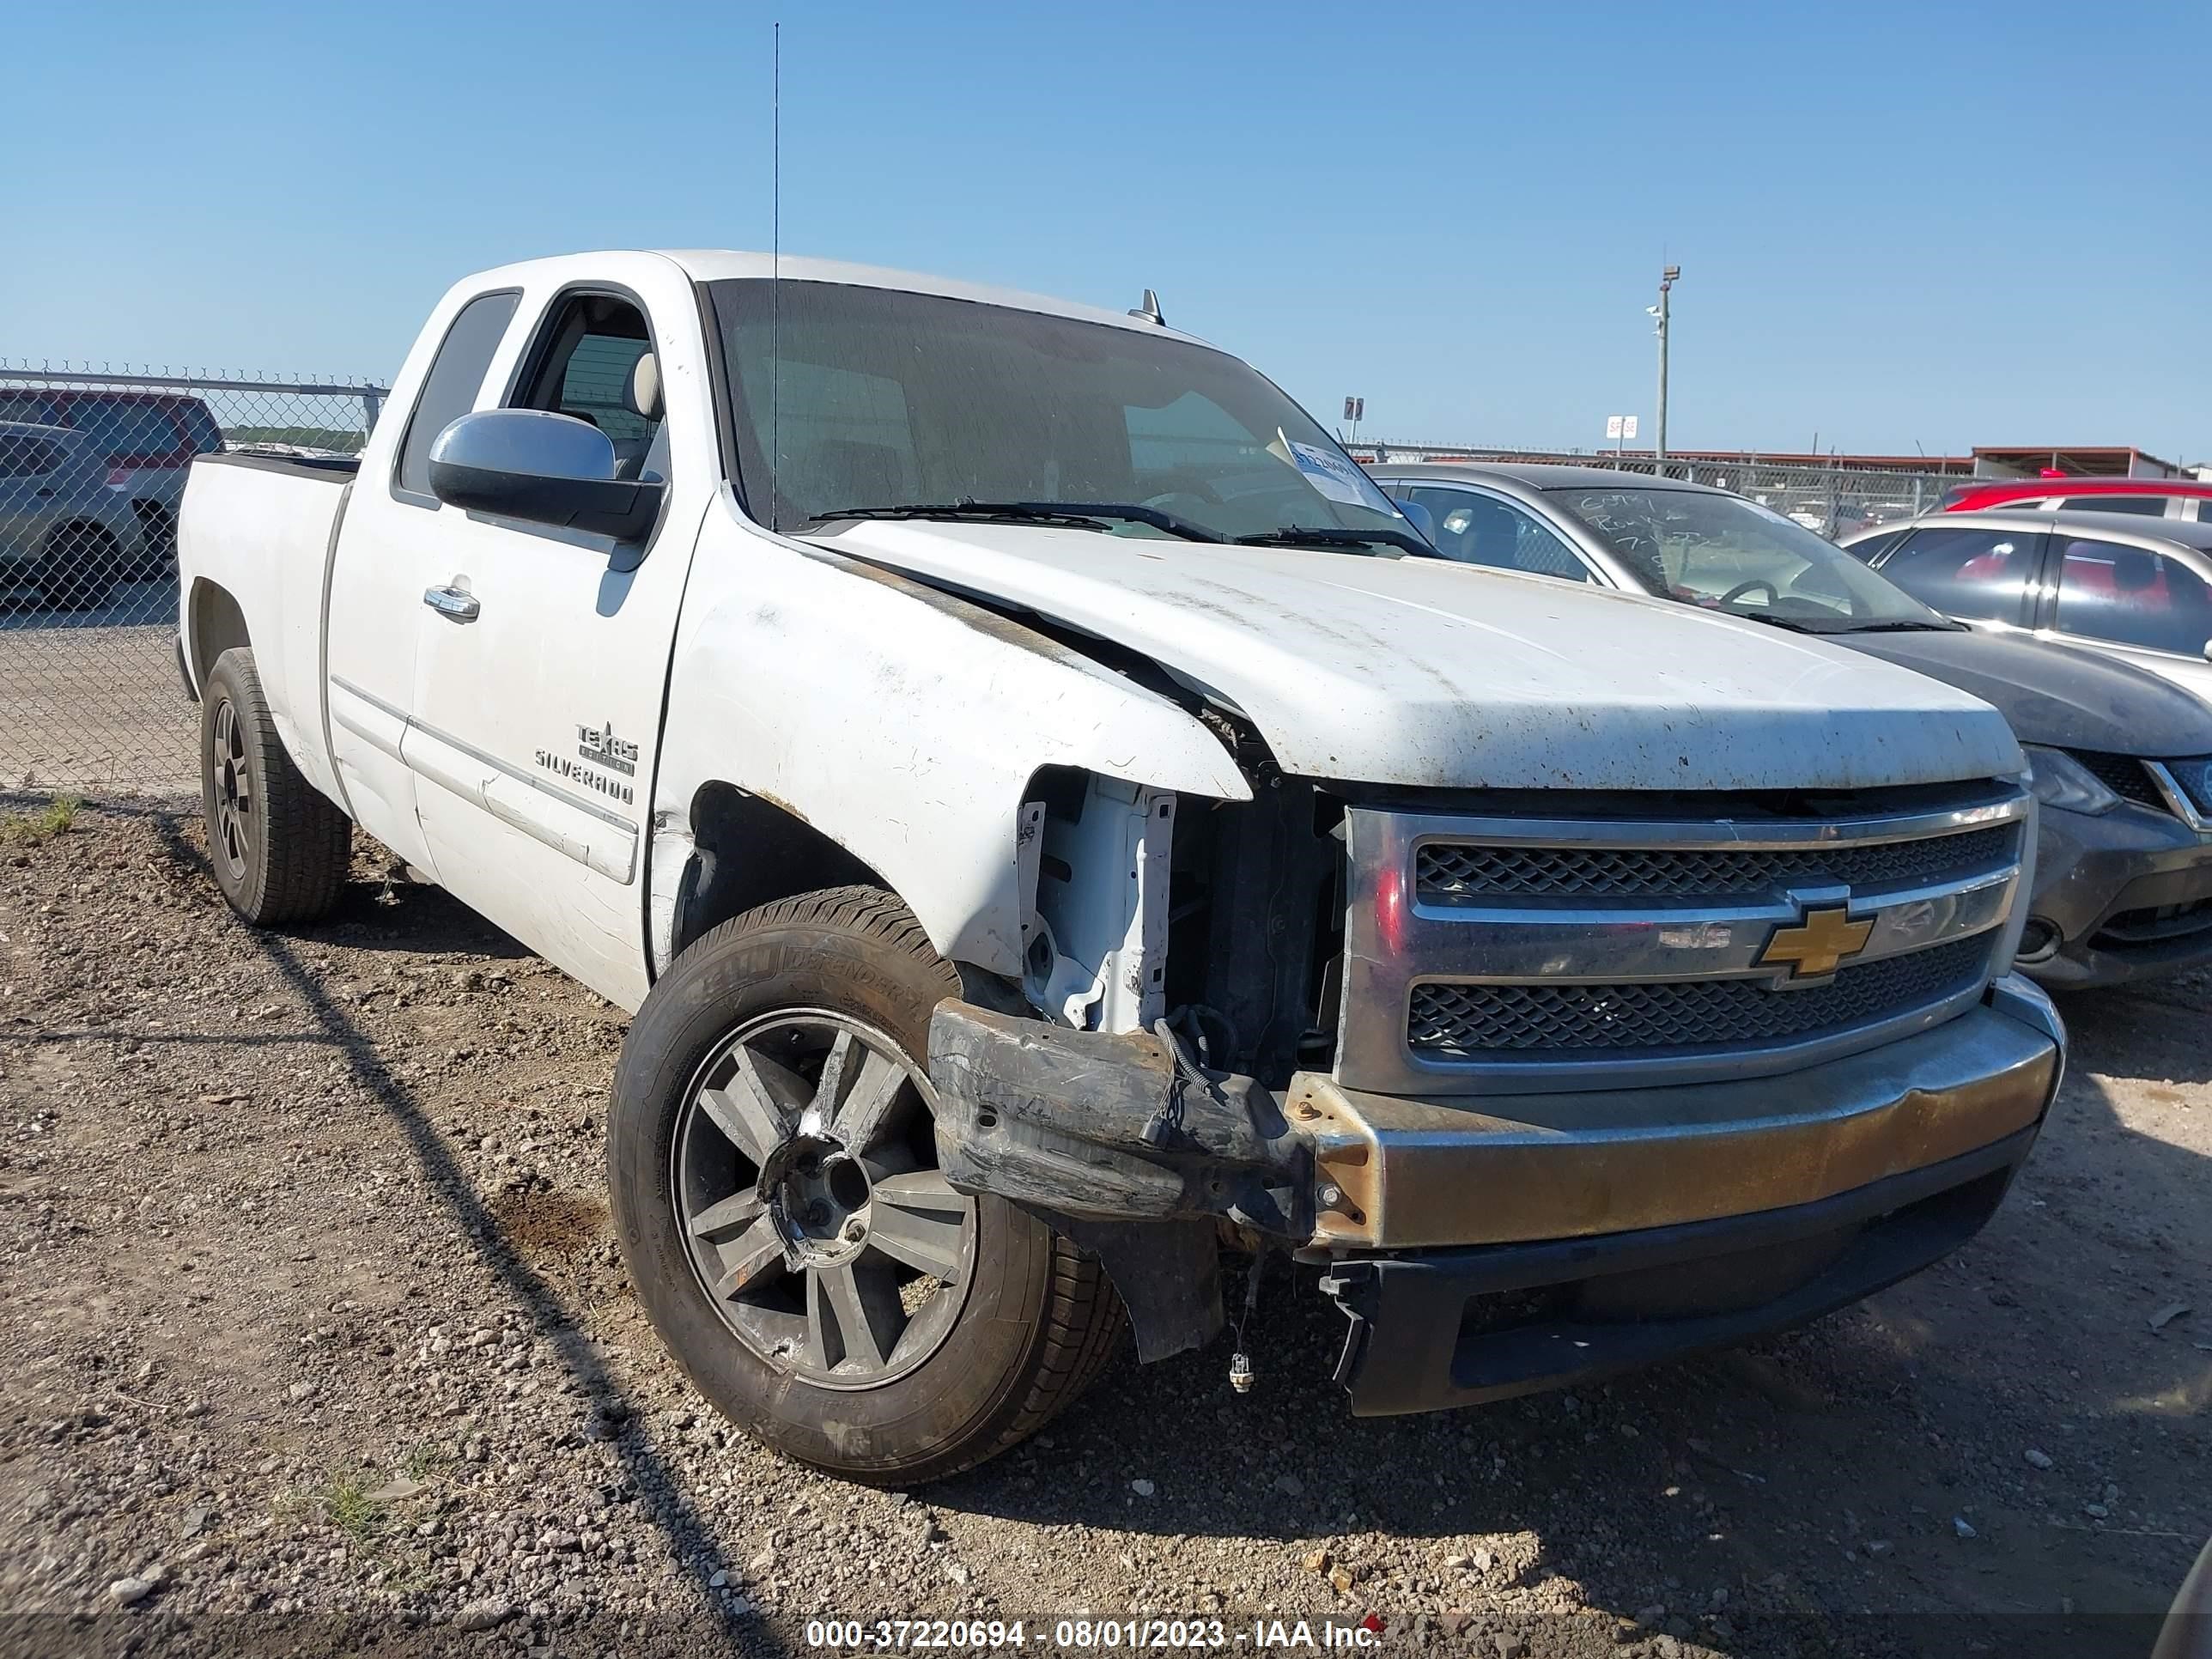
(804, 1176)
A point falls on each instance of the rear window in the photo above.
(124, 430)
(27, 457)
(2148, 507)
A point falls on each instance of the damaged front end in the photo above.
(1537, 1093)
(1123, 1143)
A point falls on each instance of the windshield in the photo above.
(1727, 554)
(879, 399)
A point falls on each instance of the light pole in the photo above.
(1667, 277)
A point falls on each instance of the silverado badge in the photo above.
(1819, 945)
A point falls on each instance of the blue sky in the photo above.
(1899, 225)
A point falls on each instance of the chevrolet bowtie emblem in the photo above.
(1817, 946)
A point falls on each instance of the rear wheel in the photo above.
(279, 846)
(79, 567)
(774, 1178)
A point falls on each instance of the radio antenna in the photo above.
(775, 277)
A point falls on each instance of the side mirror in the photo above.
(542, 468)
(1417, 516)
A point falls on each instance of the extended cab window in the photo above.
(594, 361)
(457, 374)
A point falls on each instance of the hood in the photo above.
(2054, 694)
(1426, 674)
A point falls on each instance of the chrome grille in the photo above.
(1487, 952)
(1449, 1022)
(1446, 871)
(2194, 776)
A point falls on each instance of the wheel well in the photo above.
(217, 625)
(749, 851)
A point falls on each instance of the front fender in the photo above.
(903, 722)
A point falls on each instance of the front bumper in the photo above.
(1679, 1216)
(1461, 1327)
(2091, 872)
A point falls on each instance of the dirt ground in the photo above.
(314, 1340)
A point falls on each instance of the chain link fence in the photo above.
(1834, 499)
(93, 464)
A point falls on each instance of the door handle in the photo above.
(451, 602)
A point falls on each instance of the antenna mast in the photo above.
(775, 277)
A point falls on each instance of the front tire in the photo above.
(773, 1179)
(279, 847)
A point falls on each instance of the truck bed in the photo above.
(261, 529)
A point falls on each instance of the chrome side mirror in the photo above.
(542, 468)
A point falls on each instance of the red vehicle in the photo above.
(147, 439)
(2150, 498)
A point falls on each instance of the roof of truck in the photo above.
(723, 264)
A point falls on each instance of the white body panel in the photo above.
(905, 723)
(1416, 672)
(263, 537)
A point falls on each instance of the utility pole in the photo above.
(1667, 277)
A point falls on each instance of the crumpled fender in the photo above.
(901, 721)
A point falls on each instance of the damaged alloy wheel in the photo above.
(772, 1161)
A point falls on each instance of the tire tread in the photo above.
(307, 842)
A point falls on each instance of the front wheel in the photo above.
(774, 1174)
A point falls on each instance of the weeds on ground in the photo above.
(346, 1500)
(29, 829)
(425, 1459)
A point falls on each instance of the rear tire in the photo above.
(279, 847)
(79, 567)
(937, 1385)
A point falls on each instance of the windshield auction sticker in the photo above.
(1337, 477)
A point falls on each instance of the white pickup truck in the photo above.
(1052, 820)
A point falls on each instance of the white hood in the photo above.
(1421, 673)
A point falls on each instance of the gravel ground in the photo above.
(313, 1339)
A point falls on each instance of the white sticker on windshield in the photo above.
(1338, 476)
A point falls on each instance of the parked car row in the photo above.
(63, 533)
(144, 440)
(2121, 759)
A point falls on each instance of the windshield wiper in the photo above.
(1298, 536)
(1908, 626)
(1794, 625)
(1066, 515)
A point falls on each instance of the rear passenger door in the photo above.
(2151, 606)
(388, 553)
(539, 703)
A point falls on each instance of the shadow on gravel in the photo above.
(660, 1489)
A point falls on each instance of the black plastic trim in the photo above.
(1407, 1349)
